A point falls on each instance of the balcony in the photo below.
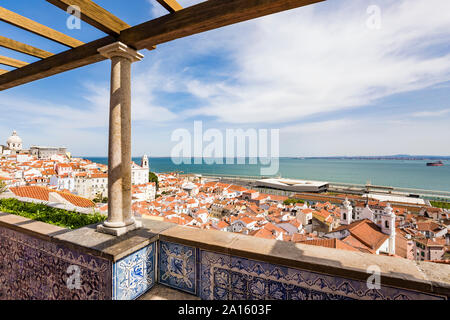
(167, 261)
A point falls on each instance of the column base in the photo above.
(119, 231)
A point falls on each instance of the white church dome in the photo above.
(14, 139)
(14, 142)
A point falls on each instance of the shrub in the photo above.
(440, 204)
(293, 201)
(57, 217)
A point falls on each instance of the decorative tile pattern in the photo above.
(135, 274)
(32, 268)
(177, 266)
(225, 277)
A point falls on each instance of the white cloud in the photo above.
(144, 104)
(435, 113)
(311, 61)
(319, 127)
(366, 137)
(284, 68)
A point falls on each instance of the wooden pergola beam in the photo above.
(24, 48)
(95, 15)
(37, 28)
(202, 17)
(64, 61)
(171, 5)
(3, 71)
(12, 62)
(205, 16)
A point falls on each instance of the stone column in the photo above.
(120, 219)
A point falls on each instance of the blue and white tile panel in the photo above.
(178, 266)
(134, 275)
(33, 268)
(225, 277)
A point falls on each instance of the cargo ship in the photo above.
(435, 164)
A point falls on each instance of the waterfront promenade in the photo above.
(249, 181)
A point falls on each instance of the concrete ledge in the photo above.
(28, 226)
(85, 239)
(108, 246)
(160, 292)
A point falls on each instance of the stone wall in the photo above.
(224, 266)
(215, 276)
(39, 261)
(35, 268)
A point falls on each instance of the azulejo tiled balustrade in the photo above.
(35, 260)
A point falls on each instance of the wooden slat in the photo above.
(37, 28)
(12, 62)
(205, 16)
(3, 71)
(171, 5)
(95, 15)
(24, 48)
(64, 61)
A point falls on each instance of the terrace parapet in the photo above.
(208, 264)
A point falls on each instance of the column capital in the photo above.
(119, 49)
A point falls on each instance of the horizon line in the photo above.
(300, 157)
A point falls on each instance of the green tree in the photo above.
(293, 201)
(440, 204)
(100, 199)
(3, 187)
(154, 178)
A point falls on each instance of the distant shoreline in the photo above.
(318, 158)
(401, 174)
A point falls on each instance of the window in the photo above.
(345, 216)
(386, 224)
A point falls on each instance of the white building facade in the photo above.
(91, 186)
(140, 174)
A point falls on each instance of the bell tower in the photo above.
(367, 213)
(346, 212)
(388, 226)
(144, 162)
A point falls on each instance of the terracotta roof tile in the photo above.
(42, 193)
(330, 243)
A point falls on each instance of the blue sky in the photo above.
(320, 74)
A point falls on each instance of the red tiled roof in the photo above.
(271, 227)
(366, 232)
(355, 243)
(42, 193)
(297, 237)
(263, 233)
(436, 242)
(247, 220)
(330, 243)
(237, 188)
(428, 226)
(222, 224)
